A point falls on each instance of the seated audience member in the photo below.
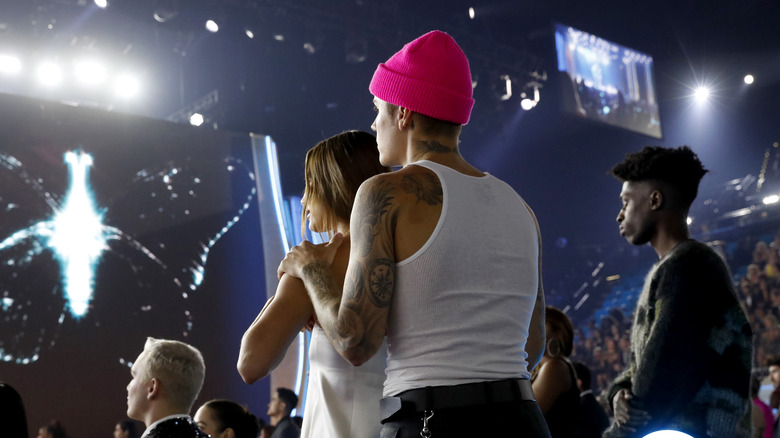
(12, 407)
(52, 430)
(773, 363)
(593, 419)
(226, 419)
(554, 380)
(167, 377)
(283, 401)
(125, 429)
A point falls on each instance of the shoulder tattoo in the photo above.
(425, 186)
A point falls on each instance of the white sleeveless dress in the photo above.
(342, 401)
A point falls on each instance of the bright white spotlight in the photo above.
(472, 13)
(667, 434)
(771, 199)
(249, 33)
(126, 86)
(90, 73)
(212, 26)
(701, 94)
(101, 3)
(196, 119)
(49, 74)
(749, 79)
(10, 64)
(689, 220)
(528, 103)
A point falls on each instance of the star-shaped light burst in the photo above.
(78, 236)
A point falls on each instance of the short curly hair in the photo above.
(678, 167)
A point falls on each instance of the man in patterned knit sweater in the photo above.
(691, 341)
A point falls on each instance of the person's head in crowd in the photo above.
(773, 363)
(559, 332)
(583, 376)
(334, 169)
(659, 185)
(282, 403)
(761, 252)
(227, 419)
(166, 379)
(52, 430)
(126, 429)
(753, 273)
(12, 407)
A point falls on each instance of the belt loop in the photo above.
(488, 392)
(515, 386)
(428, 398)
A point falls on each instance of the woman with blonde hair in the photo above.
(341, 400)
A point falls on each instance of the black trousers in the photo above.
(513, 419)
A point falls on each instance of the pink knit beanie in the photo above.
(430, 75)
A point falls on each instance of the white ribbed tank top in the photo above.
(462, 304)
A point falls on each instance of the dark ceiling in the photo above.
(313, 83)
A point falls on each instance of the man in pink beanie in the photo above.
(445, 261)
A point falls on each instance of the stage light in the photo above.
(10, 64)
(249, 33)
(90, 73)
(165, 10)
(101, 3)
(196, 119)
(472, 13)
(749, 79)
(701, 94)
(689, 220)
(508, 87)
(126, 86)
(529, 103)
(212, 26)
(771, 199)
(667, 434)
(49, 74)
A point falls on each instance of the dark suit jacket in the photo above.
(593, 420)
(177, 428)
(286, 429)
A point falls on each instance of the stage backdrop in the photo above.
(114, 228)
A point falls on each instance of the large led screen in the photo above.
(114, 228)
(606, 82)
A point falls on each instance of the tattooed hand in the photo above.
(307, 253)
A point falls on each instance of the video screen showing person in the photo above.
(607, 82)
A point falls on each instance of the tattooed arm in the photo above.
(355, 322)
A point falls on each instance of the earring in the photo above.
(554, 348)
